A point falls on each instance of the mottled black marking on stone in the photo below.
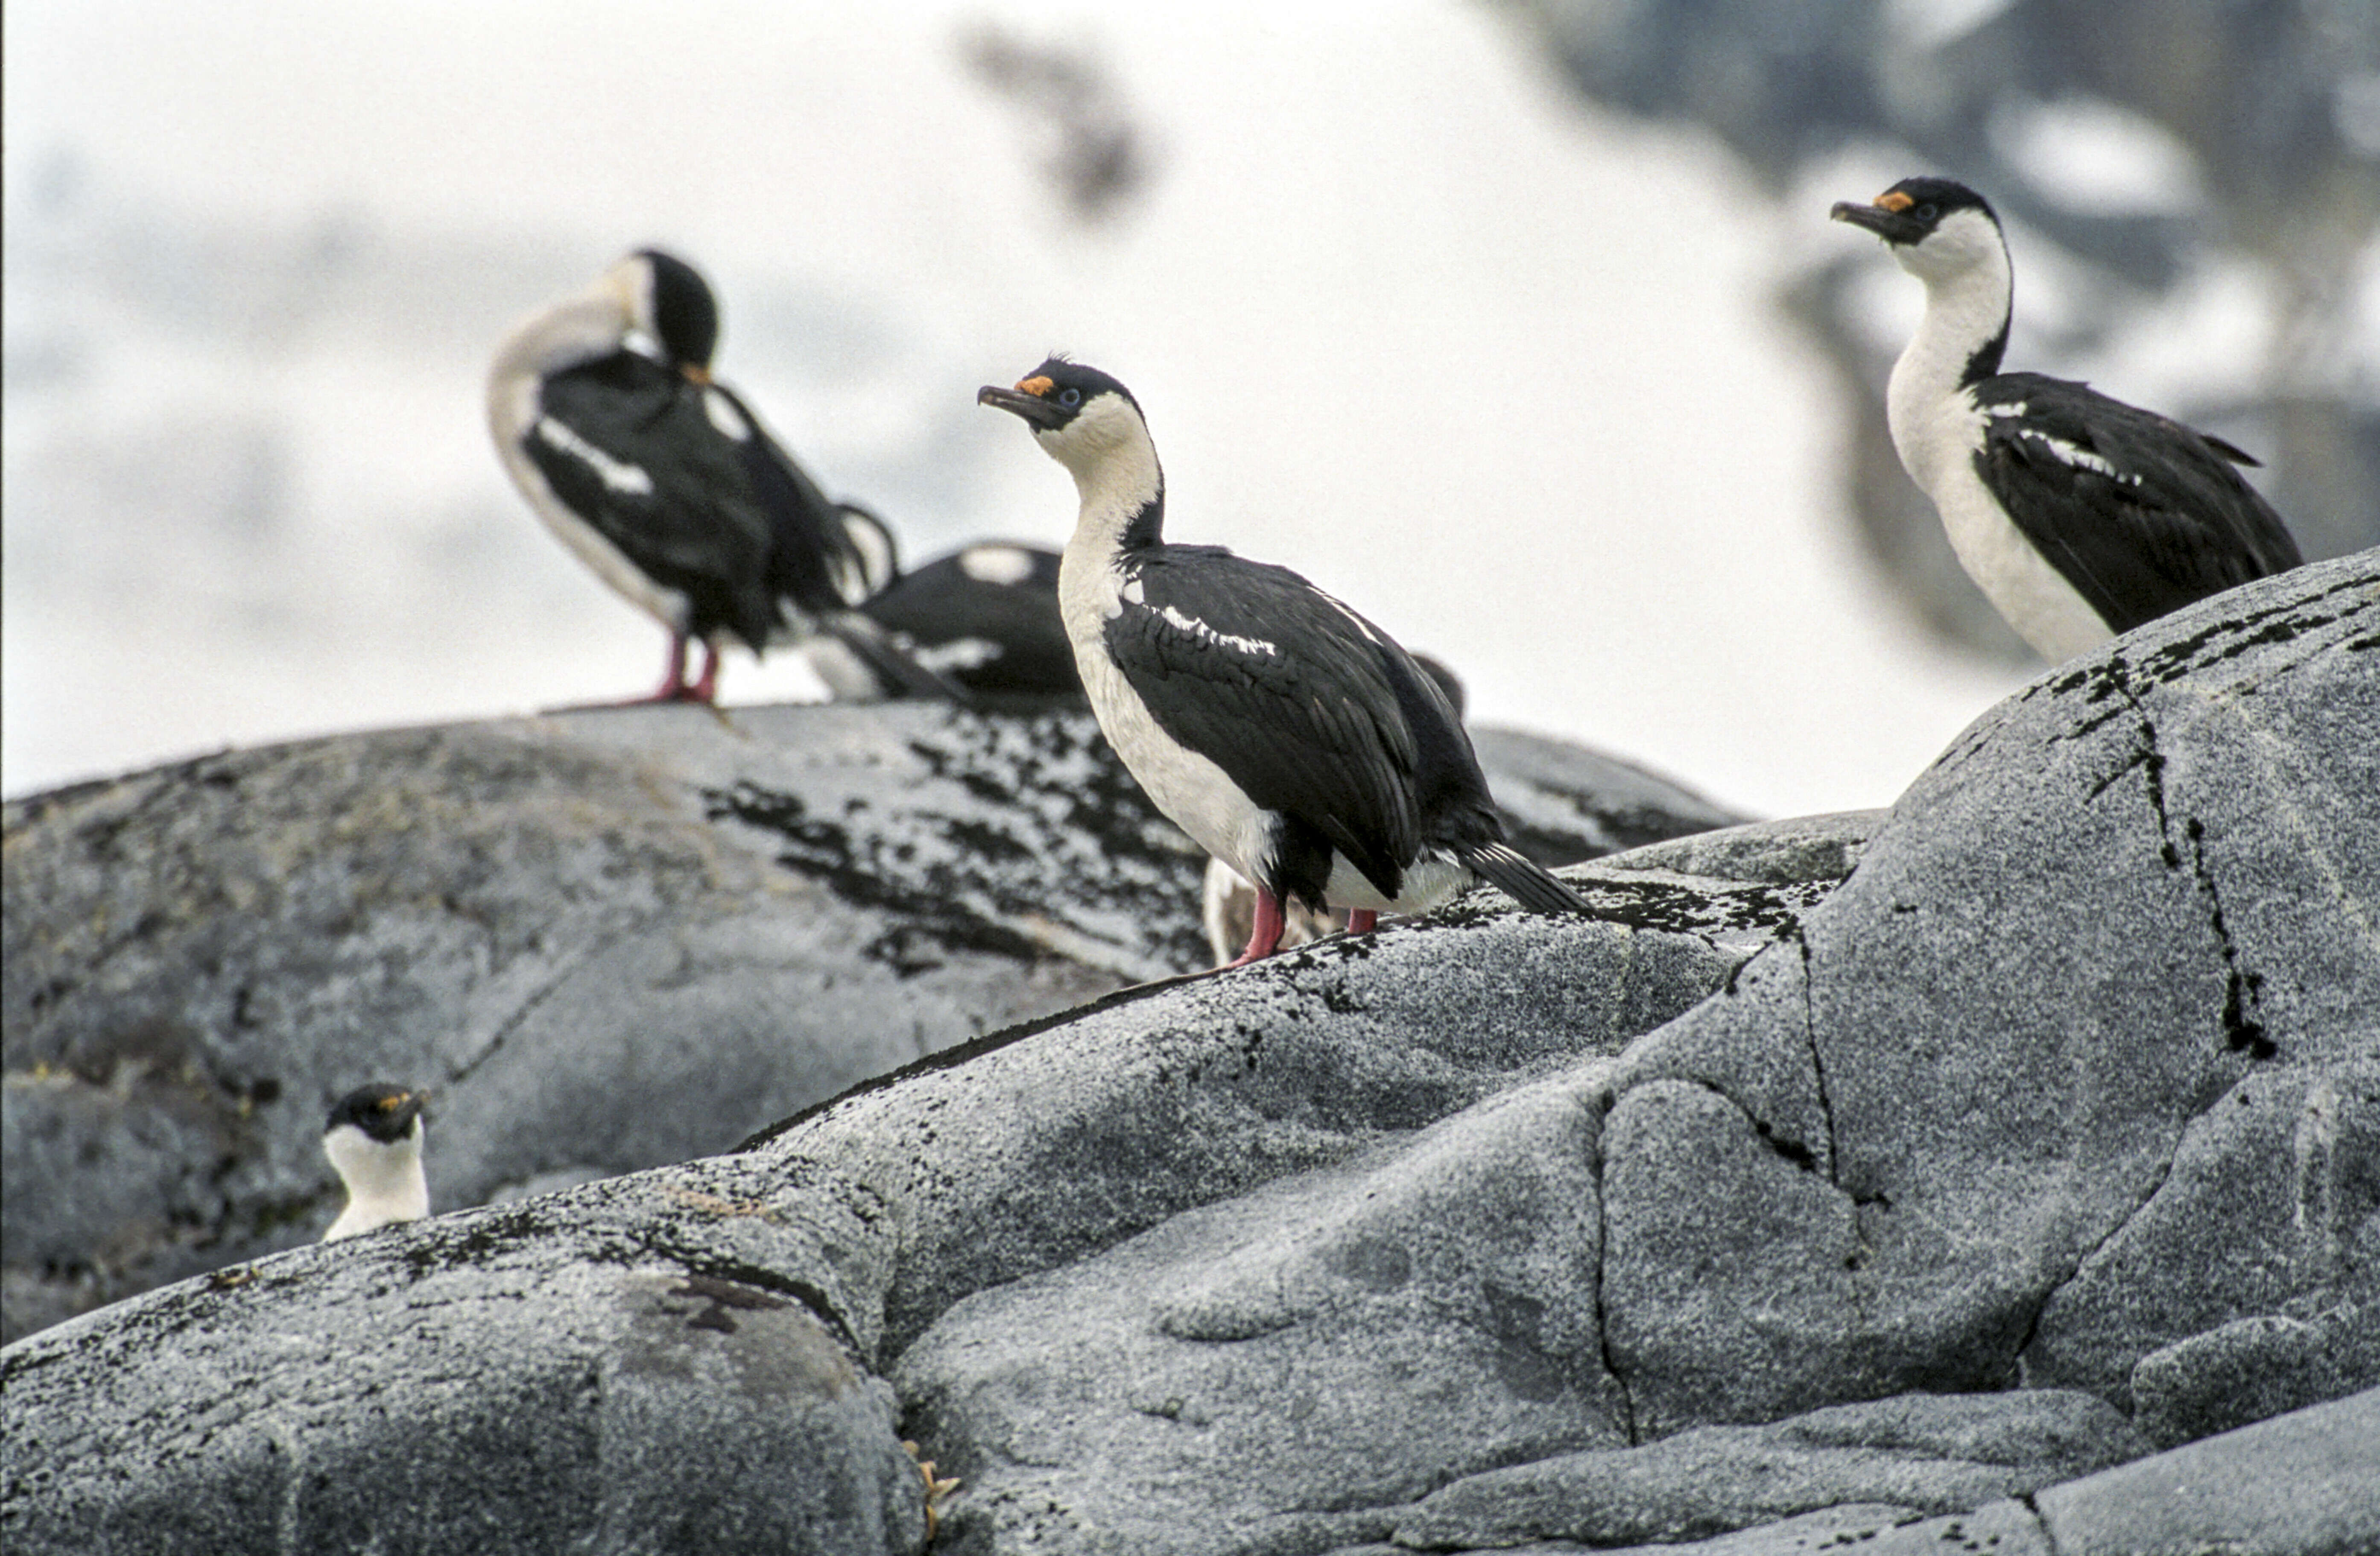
(1329, 950)
(983, 839)
(2242, 991)
(865, 872)
(444, 1246)
(2270, 624)
(1792, 1150)
(1817, 1062)
(2149, 759)
(2142, 753)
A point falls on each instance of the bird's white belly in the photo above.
(1194, 793)
(666, 605)
(2032, 595)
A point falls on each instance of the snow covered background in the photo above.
(1502, 373)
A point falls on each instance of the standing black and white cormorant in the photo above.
(2079, 515)
(661, 479)
(1289, 737)
(1227, 902)
(985, 617)
(374, 1139)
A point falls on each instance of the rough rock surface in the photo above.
(1005, 1157)
(1910, 1193)
(624, 1370)
(2073, 1068)
(605, 940)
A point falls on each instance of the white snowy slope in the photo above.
(1394, 305)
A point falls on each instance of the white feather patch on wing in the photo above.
(1206, 634)
(617, 474)
(725, 417)
(2077, 457)
(1006, 566)
(959, 653)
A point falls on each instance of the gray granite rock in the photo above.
(1766, 1189)
(2252, 1368)
(865, 1220)
(1049, 1143)
(1937, 1140)
(1927, 1453)
(637, 1366)
(2304, 1484)
(605, 940)
(1892, 1154)
(2298, 1484)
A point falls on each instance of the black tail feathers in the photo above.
(896, 673)
(1524, 881)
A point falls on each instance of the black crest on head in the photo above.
(1931, 200)
(383, 1112)
(1084, 383)
(686, 315)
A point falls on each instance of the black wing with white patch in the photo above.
(2142, 514)
(1311, 711)
(994, 625)
(629, 445)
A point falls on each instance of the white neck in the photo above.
(385, 1183)
(1109, 452)
(1964, 265)
(581, 328)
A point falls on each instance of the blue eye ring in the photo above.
(1070, 397)
(1926, 213)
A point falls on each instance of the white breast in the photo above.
(1937, 436)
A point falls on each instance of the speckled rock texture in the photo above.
(2068, 1089)
(1904, 1179)
(605, 940)
(253, 1408)
(624, 1368)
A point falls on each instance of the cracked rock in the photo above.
(1925, 1454)
(629, 1366)
(1764, 1190)
(604, 939)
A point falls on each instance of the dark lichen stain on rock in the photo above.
(867, 870)
(1041, 799)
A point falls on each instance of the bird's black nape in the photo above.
(686, 314)
(383, 1112)
(1088, 383)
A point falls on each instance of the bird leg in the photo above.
(1264, 937)
(1361, 919)
(705, 685)
(675, 688)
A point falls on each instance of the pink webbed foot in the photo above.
(1264, 938)
(675, 688)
